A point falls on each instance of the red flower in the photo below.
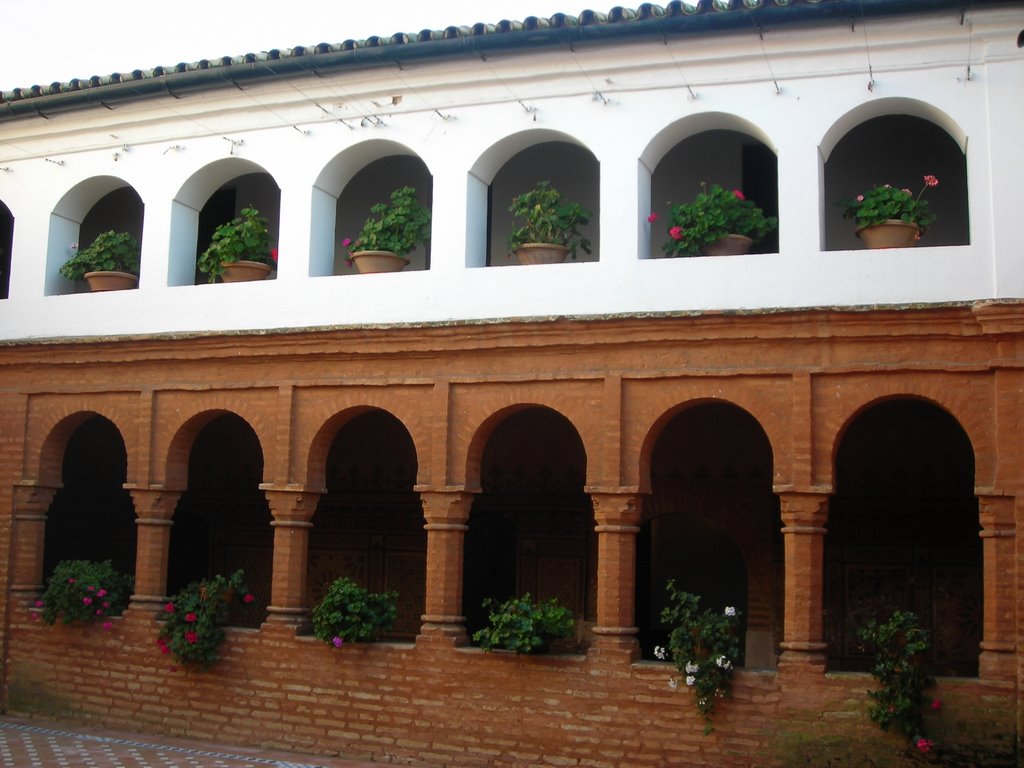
(191, 637)
(169, 608)
(924, 745)
(87, 600)
(273, 254)
(738, 194)
(248, 598)
(676, 233)
(652, 218)
(936, 703)
(931, 181)
(191, 617)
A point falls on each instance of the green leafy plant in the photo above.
(84, 590)
(194, 627)
(899, 645)
(713, 214)
(244, 238)
(350, 614)
(704, 646)
(886, 202)
(398, 226)
(109, 252)
(523, 626)
(543, 215)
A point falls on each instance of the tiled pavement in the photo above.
(33, 743)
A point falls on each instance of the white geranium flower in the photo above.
(723, 662)
(673, 683)
(730, 611)
(690, 679)
(691, 668)
(659, 652)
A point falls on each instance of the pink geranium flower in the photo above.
(738, 194)
(925, 745)
(652, 218)
(931, 181)
(676, 233)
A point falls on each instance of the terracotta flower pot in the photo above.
(541, 253)
(893, 233)
(245, 271)
(110, 281)
(369, 262)
(729, 245)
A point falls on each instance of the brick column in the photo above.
(446, 514)
(292, 510)
(154, 508)
(804, 516)
(998, 637)
(617, 518)
(31, 504)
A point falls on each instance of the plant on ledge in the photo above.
(398, 226)
(350, 614)
(109, 252)
(544, 216)
(899, 645)
(194, 627)
(244, 238)
(886, 203)
(703, 646)
(520, 625)
(84, 590)
(713, 215)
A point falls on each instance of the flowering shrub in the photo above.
(350, 614)
(547, 217)
(110, 252)
(194, 627)
(244, 238)
(899, 645)
(399, 226)
(712, 215)
(84, 590)
(520, 625)
(880, 204)
(703, 647)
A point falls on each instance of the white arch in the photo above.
(891, 106)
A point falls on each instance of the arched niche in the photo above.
(213, 196)
(93, 206)
(898, 147)
(513, 166)
(6, 243)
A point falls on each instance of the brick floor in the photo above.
(33, 743)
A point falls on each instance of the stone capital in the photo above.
(31, 499)
(617, 510)
(804, 512)
(154, 505)
(446, 507)
(291, 506)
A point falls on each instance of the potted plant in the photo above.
(193, 629)
(110, 263)
(394, 229)
(546, 226)
(718, 222)
(888, 216)
(86, 591)
(523, 626)
(239, 250)
(703, 645)
(350, 614)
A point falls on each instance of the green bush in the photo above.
(194, 627)
(350, 614)
(713, 214)
(547, 217)
(109, 252)
(244, 238)
(398, 226)
(520, 625)
(84, 590)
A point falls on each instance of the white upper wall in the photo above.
(626, 103)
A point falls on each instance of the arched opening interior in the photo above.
(92, 516)
(731, 159)
(712, 524)
(903, 535)
(6, 242)
(368, 526)
(531, 529)
(374, 184)
(222, 522)
(570, 168)
(250, 190)
(898, 150)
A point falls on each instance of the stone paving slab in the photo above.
(30, 743)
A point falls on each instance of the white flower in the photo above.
(690, 679)
(723, 662)
(659, 652)
(730, 611)
(691, 668)
(673, 683)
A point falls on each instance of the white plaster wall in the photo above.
(464, 118)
